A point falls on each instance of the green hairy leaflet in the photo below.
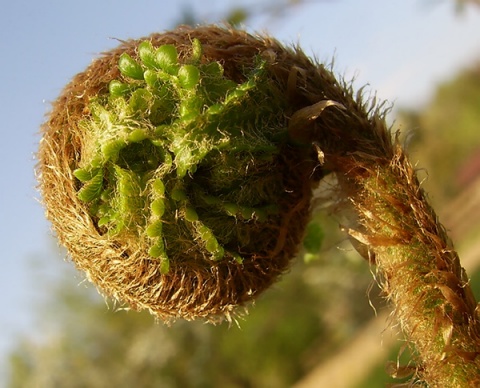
(162, 123)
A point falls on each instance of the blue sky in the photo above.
(401, 48)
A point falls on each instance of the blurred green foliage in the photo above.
(298, 323)
(446, 134)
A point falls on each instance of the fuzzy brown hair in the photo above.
(123, 270)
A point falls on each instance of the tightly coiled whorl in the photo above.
(170, 174)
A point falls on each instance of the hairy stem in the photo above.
(421, 272)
